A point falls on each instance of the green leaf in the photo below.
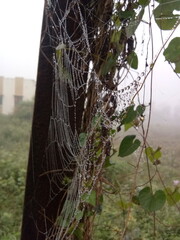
(132, 60)
(172, 196)
(130, 13)
(150, 153)
(82, 139)
(157, 153)
(144, 2)
(135, 200)
(115, 36)
(151, 202)
(117, 23)
(96, 120)
(140, 109)
(153, 155)
(108, 64)
(59, 51)
(172, 53)
(165, 21)
(116, 20)
(128, 145)
(112, 132)
(90, 198)
(127, 126)
(129, 115)
(107, 162)
(133, 24)
(79, 214)
(79, 232)
(163, 14)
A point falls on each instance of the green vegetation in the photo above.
(117, 181)
(14, 139)
(141, 193)
(136, 195)
(139, 224)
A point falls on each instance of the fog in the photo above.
(20, 24)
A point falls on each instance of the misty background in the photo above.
(20, 24)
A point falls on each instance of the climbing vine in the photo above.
(121, 53)
(94, 89)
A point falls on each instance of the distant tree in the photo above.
(24, 110)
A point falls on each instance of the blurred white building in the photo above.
(13, 91)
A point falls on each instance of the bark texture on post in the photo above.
(41, 209)
(39, 213)
(37, 188)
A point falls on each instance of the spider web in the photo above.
(83, 103)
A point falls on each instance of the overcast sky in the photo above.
(20, 24)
